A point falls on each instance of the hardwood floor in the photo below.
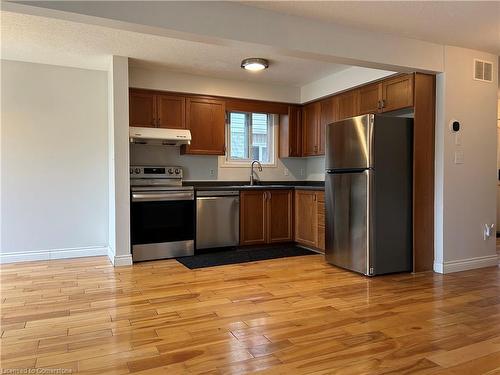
(283, 316)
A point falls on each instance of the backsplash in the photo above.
(210, 168)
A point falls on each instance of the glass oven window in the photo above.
(157, 222)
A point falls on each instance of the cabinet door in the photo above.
(279, 216)
(397, 93)
(206, 120)
(369, 99)
(290, 133)
(326, 117)
(347, 105)
(252, 217)
(310, 121)
(306, 217)
(320, 208)
(171, 111)
(142, 109)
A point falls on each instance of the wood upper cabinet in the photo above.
(327, 116)
(279, 216)
(206, 120)
(265, 216)
(171, 111)
(397, 93)
(253, 217)
(306, 221)
(369, 99)
(316, 116)
(347, 105)
(290, 134)
(142, 109)
(150, 109)
(310, 123)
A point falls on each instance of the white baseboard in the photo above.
(119, 260)
(76, 252)
(123, 260)
(465, 264)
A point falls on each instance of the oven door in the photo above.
(162, 225)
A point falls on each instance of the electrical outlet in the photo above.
(286, 172)
(488, 231)
(302, 171)
(212, 172)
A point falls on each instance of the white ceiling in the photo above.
(472, 24)
(54, 41)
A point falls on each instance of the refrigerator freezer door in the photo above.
(347, 221)
(349, 143)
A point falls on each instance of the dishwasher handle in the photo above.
(236, 199)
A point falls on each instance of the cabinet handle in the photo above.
(383, 103)
(314, 198)
(379, 104)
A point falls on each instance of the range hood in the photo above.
(157, 136)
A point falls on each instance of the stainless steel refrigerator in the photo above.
(368, 189)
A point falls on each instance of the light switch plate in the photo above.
(286, 172)
(458, 139)
(459, 157)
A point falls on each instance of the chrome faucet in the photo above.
(251, 171)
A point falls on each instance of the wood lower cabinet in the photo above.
(266, 216)
(253, 217)
(205, 118)
(310, 218)
(279, 216)
(320, 211)
(290, 134)
(306, 218)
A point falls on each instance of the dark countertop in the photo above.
(263, 185)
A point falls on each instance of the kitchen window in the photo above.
(250, 136)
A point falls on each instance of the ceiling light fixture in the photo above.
(254, 64)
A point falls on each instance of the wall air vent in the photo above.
(483, 70)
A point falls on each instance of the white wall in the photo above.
(54, 162)
(498, 163)
(465, 193)
(119, 180)
(162, 79)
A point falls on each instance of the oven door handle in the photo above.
(161, 197)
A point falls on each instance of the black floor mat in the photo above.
(241, 256)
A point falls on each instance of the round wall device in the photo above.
(455, 126)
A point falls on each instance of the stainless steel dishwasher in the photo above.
(217, 219)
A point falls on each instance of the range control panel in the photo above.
(155, 172)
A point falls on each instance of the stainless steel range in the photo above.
(162, 213)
